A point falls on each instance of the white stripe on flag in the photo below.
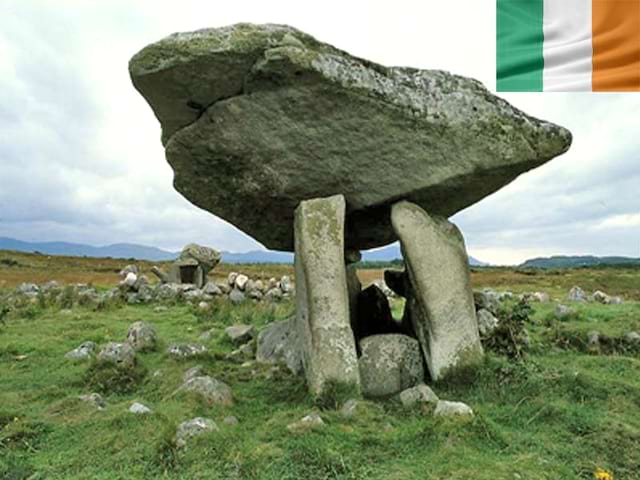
(567, 47)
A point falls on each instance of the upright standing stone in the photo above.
(443, 312)
(322, 303)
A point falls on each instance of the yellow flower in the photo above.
(601, 474)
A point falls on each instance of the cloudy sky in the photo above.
(81, 159)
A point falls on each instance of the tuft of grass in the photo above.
(106, 378)
(334, 394)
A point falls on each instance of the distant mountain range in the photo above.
(563, 261)
(142, 252)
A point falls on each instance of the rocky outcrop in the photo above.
(227, 99)
(322, 303)
(278, 342)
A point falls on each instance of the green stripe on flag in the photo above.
(519, 58)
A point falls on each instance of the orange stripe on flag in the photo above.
(616, 45)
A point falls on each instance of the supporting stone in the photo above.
(442, 312)
(322, 303)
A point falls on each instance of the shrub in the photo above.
(510, 337)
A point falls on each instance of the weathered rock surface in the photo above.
(389, 364)
(577, 294)
(443, 313)
(420, 395)
(139, 408)
(142, 336)
(487, 322)
(94, 399)
(84, 350)
(278, 343)
(447, 409)
(186, 350)
(211, 390)
(193, 428)
(308, 422)
(227, 99)
(322, 303)
(240, 334)
(121, 355)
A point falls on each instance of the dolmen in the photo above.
(309, 149)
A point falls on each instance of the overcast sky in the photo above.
(80, 152)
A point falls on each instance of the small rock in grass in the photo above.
(193, 372)
(192, 428)
(142, 336)
(350, 408)
(211, 390)
(139, 408)
(309, 422)
(245, 352)
(419, 395)
(122, 355)
(211, 289)
(230, 420)
(593, 341)
(446, 409)
(240, 334)
(160, 309)
(203, 306)
(94, 399)
(208, 335)
(85, 350)
(186, 350)
(633, 337)
(487, 322)
(576, 294)
(236, 297)
(562, 312)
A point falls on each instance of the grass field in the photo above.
(561, 413)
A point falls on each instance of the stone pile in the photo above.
(350, 155)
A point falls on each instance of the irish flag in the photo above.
(568, 45)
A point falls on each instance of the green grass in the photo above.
(558, 415)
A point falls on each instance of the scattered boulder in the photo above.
(633, 338)
(231, 278)
(563, 312)
(142, 336)
(420, 395)
(601, 297)
(193, 372)
(211, 390)
(541, 297)
(446, 409)
(83, 351)
(208, 335)
(245, 352)
(309, 422)
(241, 282)
(576, 294)
(285, 284)
(139, 408)
(389, 364)
(121, 355)
(273, 295)
(278, 343)
(94, 399)
(186, 350)
(593, 341)
(237, 297)
(230, 420)
(127, 270)
(130, 280)
(487, 322)
(193, 428)
(350, 408)
(212, 289)
(240, 334)
(487, 300)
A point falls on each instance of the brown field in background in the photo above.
(16, 268)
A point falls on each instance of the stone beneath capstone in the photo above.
(227, 99)
(389, 364)
(447, 409)
(121, 355)
(142, 336)
(398, 282)
(373, 314)
(322, 303)
(444, 316)
(278, 343)
(193, 428)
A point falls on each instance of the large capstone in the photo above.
(265, 114)
(442, 309)
(322, 303)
